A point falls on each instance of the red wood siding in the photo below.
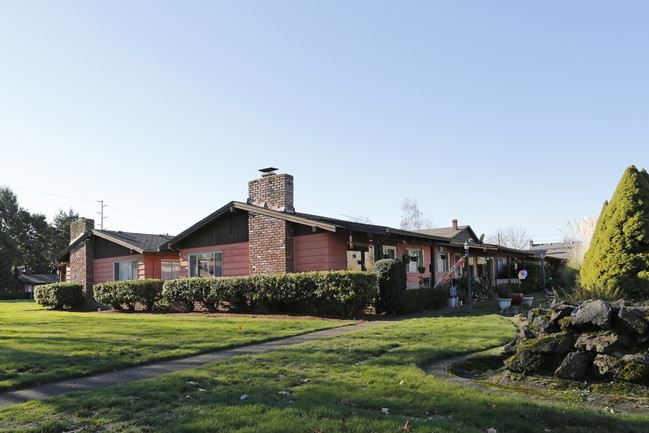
(236, 258)
(104, 267)
(320, 252)
(148, 266)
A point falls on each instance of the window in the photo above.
(416, 260)
(459, 270)
(125, 270)
(389, 252)
(442, 263)
(206, 264)
(170, 269)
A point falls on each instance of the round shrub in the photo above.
(58, 295)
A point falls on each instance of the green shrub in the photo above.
(391, 279)
(618, 257)
(109, 293)
(424, 299)
(185, 292)
(8, 294)
(58, 295)
(129, 292)
(341, 292)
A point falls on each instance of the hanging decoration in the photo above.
(446, 276)
(522, 274)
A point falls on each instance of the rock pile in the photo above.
(591, 339)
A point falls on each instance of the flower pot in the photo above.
(504, 303)
(451, 302)
(517, 298)
(527, 300)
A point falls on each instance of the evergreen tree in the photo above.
(618, 256)
(60, 232)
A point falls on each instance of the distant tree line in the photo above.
(27, 240)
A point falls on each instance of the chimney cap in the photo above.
(268, 171)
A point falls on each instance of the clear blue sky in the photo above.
(500, 113)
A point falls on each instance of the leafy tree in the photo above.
(10, 225)
(618, 257)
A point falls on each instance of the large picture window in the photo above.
(206, 264)
(170, 269)
(126, 270)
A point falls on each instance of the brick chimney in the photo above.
(271, 240)
(82, 258)
(454, 225)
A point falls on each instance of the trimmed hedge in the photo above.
(340, 292)
(58, 295)
(127, 293)
(391, 278)
(424, 299)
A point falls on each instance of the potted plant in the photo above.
(504, 299)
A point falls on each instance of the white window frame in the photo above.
(176, 269)
(217, 257)
(443, 265)
(412, 267)
(134, 270)
(387, 248)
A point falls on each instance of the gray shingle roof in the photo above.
(141, 241)
(38, 278)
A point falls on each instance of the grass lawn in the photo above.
(40, 346)
(364, 381)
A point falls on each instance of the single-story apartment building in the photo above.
(266, 235)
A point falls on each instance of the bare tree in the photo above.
(412, 218)
(580, 232)
(510, 237)
(363, 219)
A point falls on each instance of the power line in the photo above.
(50, 194)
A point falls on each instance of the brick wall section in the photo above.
(271, 240)
(271, 244)
(82, 259)
(272, 192)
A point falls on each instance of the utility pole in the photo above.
(102, 213)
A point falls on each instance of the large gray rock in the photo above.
(524, 361)
(559, 343)
(632, 320)
(560, 311)
(602, 342)
(592, 314)
(542, 325)
(606, 367)
(573, 366)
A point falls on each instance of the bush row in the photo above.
(345, 293)
(127, 293)
(340, 292)
(58, 295)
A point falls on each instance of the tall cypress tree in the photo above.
(618, 256)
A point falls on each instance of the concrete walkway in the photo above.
(87, 383)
